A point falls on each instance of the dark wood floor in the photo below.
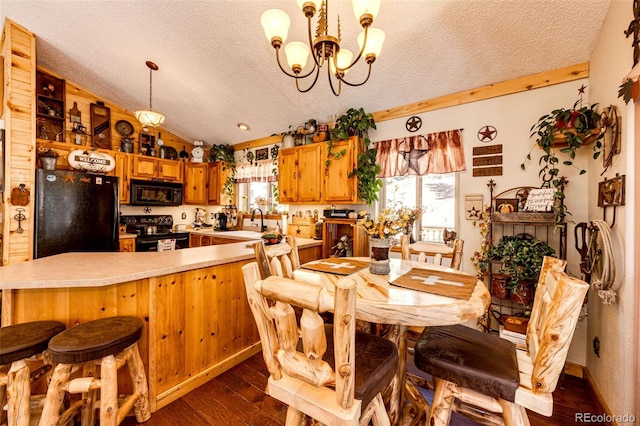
(237, 398)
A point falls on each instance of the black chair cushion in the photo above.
(470, 358)
(95, 339)
(27, 339)
(376, 363)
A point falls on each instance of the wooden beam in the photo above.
(517, 85)
(509, 87)
(269, 140)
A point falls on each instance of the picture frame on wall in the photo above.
(506, 205)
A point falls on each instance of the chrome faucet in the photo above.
(263, 228)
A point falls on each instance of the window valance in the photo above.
(259, 171)
(439, 152)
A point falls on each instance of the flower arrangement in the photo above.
(343, 245)
(47, 152)
(386, 223)
(409, 215)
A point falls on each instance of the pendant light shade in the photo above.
(149, 117)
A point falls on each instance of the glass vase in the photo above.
(380, 256)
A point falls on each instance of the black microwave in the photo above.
(155, 193)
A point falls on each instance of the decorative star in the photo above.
(414, 123)
(413, 157)
(581, 89)
(487, 133)
(473, 212)
(69, 178)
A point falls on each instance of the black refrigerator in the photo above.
(75, 212)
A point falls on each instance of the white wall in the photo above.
(614, 370)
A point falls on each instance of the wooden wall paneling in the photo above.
(171, 324)
(85, 98)
(201, 324)
(18, 51)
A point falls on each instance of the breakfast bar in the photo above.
(197, 323)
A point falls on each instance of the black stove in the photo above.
(152, 228)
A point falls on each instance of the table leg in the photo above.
(397, 399)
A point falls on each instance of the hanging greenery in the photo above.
(357, 122)
(226, 155)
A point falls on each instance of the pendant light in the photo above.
(149, 117)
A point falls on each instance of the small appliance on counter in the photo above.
(337, 213)
(152, 228)
(221, 221)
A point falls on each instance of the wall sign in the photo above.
(91, 161)
(540, 200)
(485, 162)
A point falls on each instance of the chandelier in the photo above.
(149, 117)
(325, 47)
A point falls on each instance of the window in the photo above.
(250, 193)
(436, 193)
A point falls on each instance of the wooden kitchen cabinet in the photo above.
(338, 186)
(50, 106)
(123, 170)
(300, 174)
(214, 188)
(334, 228)
(128, 245)
(195, 183)
(144, 167)
(204, 184)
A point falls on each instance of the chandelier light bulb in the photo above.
(343, 59)
(297, 54)
(363, 7)
(375, 39)
(309, 6)
(275, 24)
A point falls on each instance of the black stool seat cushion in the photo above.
(376, 363)
(95, 339)
(470, 358)
(27, 339)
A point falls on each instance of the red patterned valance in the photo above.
(439, 152)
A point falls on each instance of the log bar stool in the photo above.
(110, 343)
(18, 343)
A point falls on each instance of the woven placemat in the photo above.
(336, 265)
(450, 284)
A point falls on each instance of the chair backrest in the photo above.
(271, 303)
(554, 317)
(277, 259)
(435, 251)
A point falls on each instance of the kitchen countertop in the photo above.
(126, 236)
(102, 269)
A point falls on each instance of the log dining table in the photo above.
(381, 302)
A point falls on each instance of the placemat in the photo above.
(450, 284)
(336, 265)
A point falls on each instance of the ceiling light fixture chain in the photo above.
(149, 117)
(324, 47)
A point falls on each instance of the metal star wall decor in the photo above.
(413, 123)
(487, 134)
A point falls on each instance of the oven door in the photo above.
(150, 242)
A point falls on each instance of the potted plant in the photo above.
(520, 257)
(357, 122)
(564, 131)
(48, 158)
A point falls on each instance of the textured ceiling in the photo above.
(216, 68)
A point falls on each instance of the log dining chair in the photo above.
(331, 373)
(19, 345)
(486, 371)
(433, 252)
(277, 259)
